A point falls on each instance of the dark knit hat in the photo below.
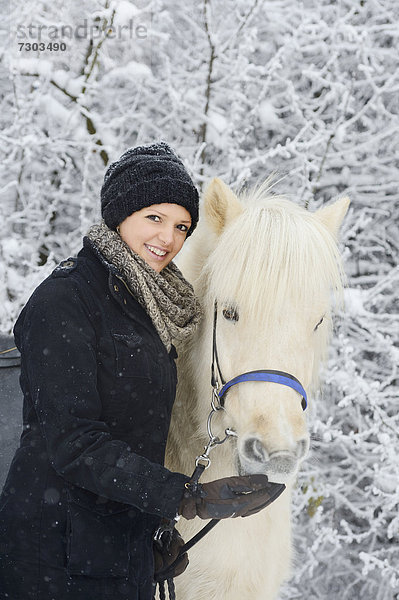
(144, 176)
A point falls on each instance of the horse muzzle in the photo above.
(279, 465)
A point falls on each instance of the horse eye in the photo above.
(319, 323)
(230, 314)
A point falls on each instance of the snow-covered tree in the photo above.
(308, 90)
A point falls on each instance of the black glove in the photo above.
(166, 550)
(239, 496)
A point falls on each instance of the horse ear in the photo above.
(332, 215)
(221, 205)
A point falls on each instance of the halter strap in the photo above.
(215, 358)
(267, 375)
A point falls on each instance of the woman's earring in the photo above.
(118, 230)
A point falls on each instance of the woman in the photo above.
(87, 487)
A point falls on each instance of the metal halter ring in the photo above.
(214, 440)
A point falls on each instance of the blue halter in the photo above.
(267, 375)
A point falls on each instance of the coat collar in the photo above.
(118, 288)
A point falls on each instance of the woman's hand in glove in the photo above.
(238, 496)
(166, 551)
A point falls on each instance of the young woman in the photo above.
(87, 487)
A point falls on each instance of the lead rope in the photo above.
(171, 590)
(162, 593)
(199, 469)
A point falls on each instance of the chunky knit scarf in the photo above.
(167, 297)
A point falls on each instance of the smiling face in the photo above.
(156, 233)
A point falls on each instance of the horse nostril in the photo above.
(255, 450)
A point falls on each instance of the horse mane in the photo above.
(274, 252)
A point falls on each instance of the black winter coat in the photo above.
(86, 488)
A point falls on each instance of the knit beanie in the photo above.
(144, 176)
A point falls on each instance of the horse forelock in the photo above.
(273, 255)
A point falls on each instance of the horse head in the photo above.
(271, 266)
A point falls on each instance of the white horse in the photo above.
(271, 266)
